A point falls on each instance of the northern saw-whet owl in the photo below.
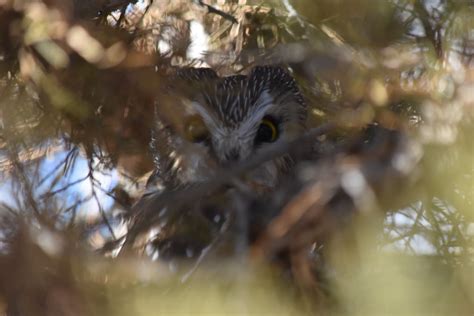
(220, 121)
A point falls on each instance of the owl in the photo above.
(206, 122)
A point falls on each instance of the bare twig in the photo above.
(213, 10)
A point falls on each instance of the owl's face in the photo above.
(230, 119)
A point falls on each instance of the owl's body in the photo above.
(206, 123)
(222, 121)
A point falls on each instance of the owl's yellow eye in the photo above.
(195, 129)
(267, 131)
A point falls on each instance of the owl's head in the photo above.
(226, 120)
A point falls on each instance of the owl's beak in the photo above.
(232, 155)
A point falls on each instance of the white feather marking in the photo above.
(263, 104)
(209, 118)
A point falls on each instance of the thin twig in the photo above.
(56, 168)
(213, 10)
(49, 194)
(99, 205)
